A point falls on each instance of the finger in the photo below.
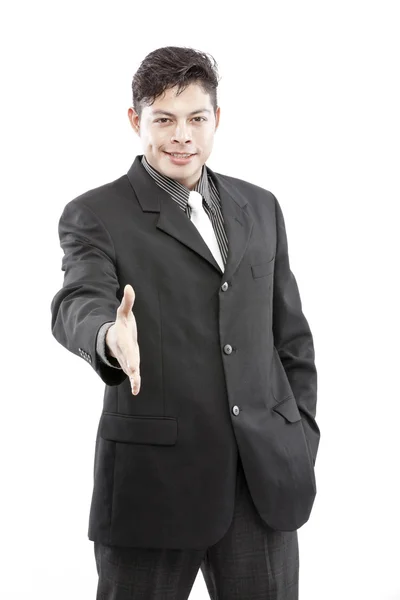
(130, 358)
(129, 361)
(134, 378)
(127, 302)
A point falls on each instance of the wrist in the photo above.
(108, 342)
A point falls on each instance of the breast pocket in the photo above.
(263, 269)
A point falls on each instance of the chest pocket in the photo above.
(263, 269)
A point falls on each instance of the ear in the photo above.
(134, 120)
(217, 116)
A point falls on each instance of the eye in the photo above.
(166, 119)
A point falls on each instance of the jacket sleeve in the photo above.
(88, 298)
(292, 337)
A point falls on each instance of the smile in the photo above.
(179, 159)
(179, 155)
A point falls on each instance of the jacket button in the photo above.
(227, 349)
(236, 410)
(224, 286)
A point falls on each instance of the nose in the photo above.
(181, 135)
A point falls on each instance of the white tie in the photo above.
(203, 223)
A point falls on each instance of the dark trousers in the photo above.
(251, 561)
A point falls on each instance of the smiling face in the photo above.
(183, 124)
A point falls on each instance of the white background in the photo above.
(310, 101)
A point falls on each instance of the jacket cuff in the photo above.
(101, 347)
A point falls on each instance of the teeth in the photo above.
(181, 155)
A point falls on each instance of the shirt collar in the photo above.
(177, 190)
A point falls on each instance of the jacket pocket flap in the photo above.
(288, 409)
(139, 429)
(263, 269)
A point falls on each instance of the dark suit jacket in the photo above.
(227, 363)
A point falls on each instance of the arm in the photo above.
(88, 298)
(292, 337)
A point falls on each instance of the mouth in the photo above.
(179, 158)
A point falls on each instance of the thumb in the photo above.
(127, 301)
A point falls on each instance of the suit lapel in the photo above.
(238, 222)
(173, 221)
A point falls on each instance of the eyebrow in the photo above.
(165, 112)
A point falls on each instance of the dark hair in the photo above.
(170, 66)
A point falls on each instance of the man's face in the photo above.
(178, 124)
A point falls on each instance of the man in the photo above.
(178, 292)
